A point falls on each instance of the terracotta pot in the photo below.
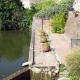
(45, 48)
(76, 14)
(43, 40)
(42, 34)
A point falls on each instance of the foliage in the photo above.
(62, 68)
(72, 77)
(58, 23)
(76, 12)
(10, 14)
(46, 44)
(73, 62)
(41, 31)
(27, 17)
(44, 37)
(52, 10)
(14, 16)
(43, 4)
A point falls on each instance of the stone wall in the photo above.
(37, 23)
(23, 74)
(46, 24)
(40, 24)
(72, 28)
(76, 5)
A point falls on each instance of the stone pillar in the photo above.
(41, 24)
(37, 23)
(46, 24)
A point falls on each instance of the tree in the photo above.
(10, 14)
(14, 16)
(28, 17)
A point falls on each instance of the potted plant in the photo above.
(42, 33)
(43, 38)
(76, 13)
(46, 46)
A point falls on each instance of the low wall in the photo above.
(39, 23)
(72, 28)
(23, 74)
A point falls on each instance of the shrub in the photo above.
(73, 62)
(62, 68)
(58, 23)
(27, 17)
(43, 4)
(72, 77)
(53, 9)
(14, 16)
(10, 14)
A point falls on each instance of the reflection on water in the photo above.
(14, 49)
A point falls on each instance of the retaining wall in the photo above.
(39, 23)
(72, 28)
(23, 74)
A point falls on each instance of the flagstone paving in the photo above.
(60, 45)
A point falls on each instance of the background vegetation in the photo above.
(73, 63)
(57, 12)
(10, 14)
(13, 15)
(58, 23)
(43, 4)
(53, 9)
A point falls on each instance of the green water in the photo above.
(14, 50)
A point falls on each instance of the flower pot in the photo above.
(42, 33)
(45, 48)
(43, 40)
(76, 14)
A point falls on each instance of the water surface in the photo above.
(14, 50)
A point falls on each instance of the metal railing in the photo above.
(31, 51)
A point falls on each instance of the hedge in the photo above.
(52, 10)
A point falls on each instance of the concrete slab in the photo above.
(60, 45)
(43, 58)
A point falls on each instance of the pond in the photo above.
(14, 50)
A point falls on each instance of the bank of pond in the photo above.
(28, 74)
